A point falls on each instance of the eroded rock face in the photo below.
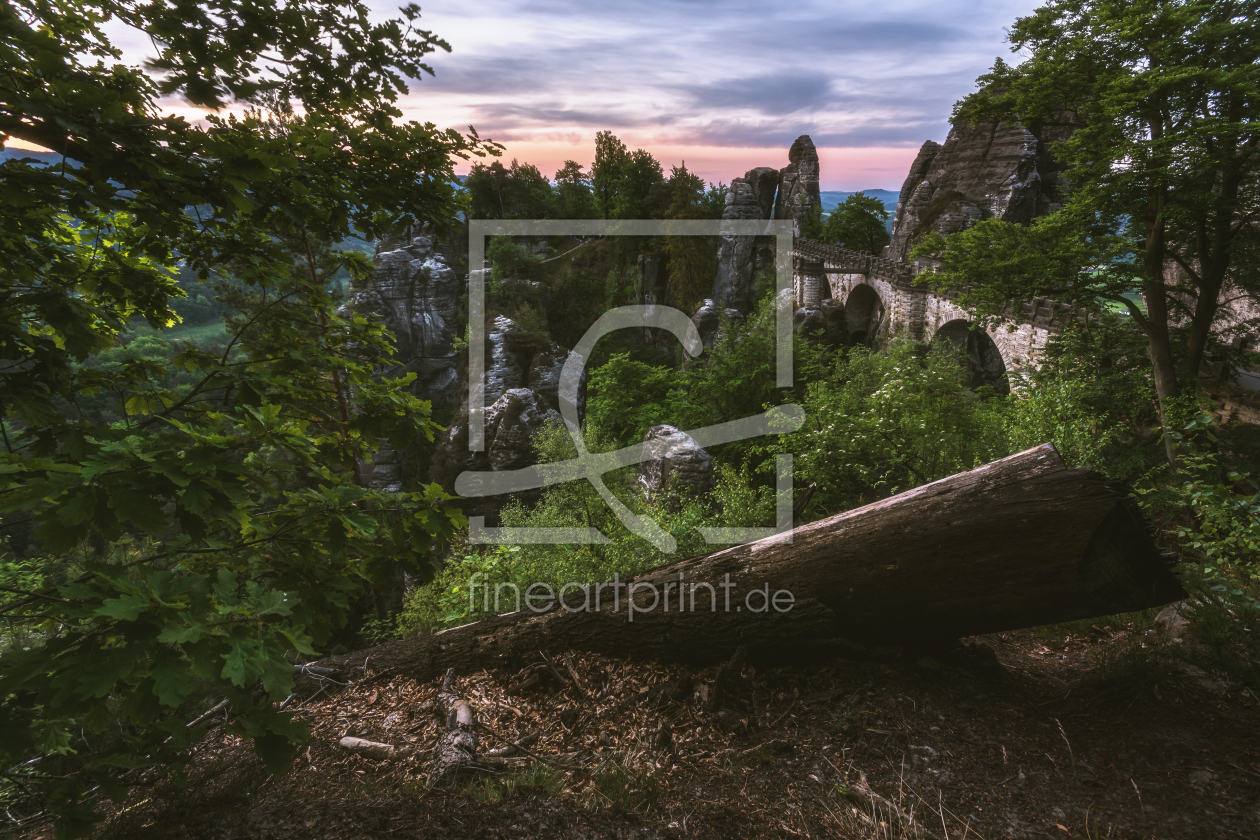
(994, 170)
(675, 464)
(415, 292)
(386, 470)
(918, 174)
(511, 425)
(522, 394)
(798, 184)
(504, 367)
(750, 198)
(708, 321)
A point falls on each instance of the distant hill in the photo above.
(44, 157)
(831, 198)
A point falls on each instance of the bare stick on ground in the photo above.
(456, 750)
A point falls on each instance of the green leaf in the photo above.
(182, 634)
(276, 751)
(126, 608)
(244, 660)
(171, 683)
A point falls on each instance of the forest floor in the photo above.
(1104, 731)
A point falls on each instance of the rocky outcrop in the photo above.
(824, 323)
(763, 193)
(708, 321)
(511, 425)
(522, 398)
(918, 174)
(994, 170)
(415, 292)
(675, 464)
(798, 184)
(749, 198)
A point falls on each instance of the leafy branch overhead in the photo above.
(202, 535)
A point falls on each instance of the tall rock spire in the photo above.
(750, 198)
(798, 184)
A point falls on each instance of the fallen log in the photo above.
(1016, 543)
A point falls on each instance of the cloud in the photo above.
(547, 115)
(776, 94)
(715, 73)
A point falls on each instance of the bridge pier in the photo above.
(915, 312)
(809, 280)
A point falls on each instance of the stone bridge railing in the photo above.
(1042, 312)
(844, 261)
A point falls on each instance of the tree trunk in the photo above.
(1016, 543)
(1155, 293)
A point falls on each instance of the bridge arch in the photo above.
(987, 363)
(864, 315)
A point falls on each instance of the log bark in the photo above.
(1016, 543)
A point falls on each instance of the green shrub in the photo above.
(1055, 410)
(881, 423)
(465, 590)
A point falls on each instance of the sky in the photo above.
(723, 86)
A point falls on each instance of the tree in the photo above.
(518, 191)
(812, 224)
(573, 192)
(690, 258)
(207, 536)
(1162, 166)
(642, 191)
(860, 223)
(606, 172)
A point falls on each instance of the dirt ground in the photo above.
(1106, 733)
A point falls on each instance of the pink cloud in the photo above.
(841, 168)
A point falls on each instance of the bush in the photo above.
(1056, 410)
(881, 423)
(465, 590)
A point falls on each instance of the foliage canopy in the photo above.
(1163, 100)
(204, 537)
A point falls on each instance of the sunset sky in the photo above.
(724, 86)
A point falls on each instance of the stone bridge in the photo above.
(878, 298)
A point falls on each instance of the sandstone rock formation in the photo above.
(992, 170)
(763, 193)
(511, 425)
(522, 397)
(708, 321)
(918, 174)
(674, 463)
(824, 323)
(415, 292)
(798, 184)
(750, 198)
